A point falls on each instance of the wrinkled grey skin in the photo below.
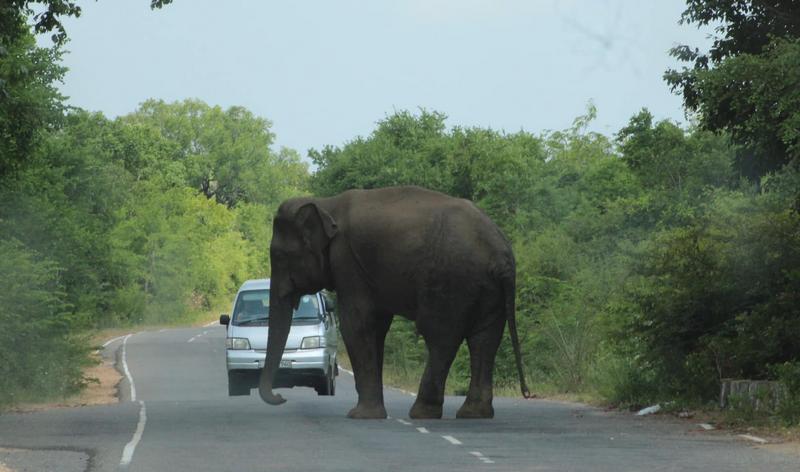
(436, 260)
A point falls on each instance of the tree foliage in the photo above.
(146, 218)
(30, 103)
(47, 16)
(747, 84)
(224, 154)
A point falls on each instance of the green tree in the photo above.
(224, 154)
(667, 157)
(404, 149)
(47, 16)
(179, 251)
(493, 169)
(30, 103)
(748, 83)
(716, 297)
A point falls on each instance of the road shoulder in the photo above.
(102, 383)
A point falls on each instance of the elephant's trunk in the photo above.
(280, 321)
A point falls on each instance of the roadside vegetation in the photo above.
(652, 263)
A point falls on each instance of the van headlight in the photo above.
(237, 343)
(312, 342)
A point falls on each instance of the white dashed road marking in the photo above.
(422, 430)
(753, 438)
(481, 457)
(196, 336)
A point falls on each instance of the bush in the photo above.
(42, 357)
(788, 374)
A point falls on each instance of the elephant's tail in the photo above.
(509, 287)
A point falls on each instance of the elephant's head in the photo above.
(301, 234)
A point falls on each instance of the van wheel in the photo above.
(237, 386)
(327, 385)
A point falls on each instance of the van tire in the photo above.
(237, 386)
(327, 385)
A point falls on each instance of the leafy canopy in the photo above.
(748, 84)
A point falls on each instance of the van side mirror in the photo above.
(224, 320)
(330, 303)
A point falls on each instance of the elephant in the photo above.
(434, 259)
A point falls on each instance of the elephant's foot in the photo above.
(365, 412)
(474, 410)
(425, 411)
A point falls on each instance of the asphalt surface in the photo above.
(182, 420)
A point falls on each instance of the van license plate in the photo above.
(286, 364)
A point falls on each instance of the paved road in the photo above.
(183, 420)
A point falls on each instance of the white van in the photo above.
(309, 358)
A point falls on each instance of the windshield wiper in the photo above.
(251, 321)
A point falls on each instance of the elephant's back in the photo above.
(410, 233)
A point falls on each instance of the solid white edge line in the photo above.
(130, 448)
(125, 367)
(423, 430)
(210, 324)
(452, 440)
(753, 438)
(105, 344)
(348, 371)
(705, 426)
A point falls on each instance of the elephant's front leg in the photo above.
(360, 330)
(430, 398)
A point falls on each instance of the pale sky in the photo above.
(325, 71)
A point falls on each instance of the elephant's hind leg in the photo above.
(482, 351)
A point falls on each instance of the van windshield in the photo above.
(252, 308)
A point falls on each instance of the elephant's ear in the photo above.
(317, 225)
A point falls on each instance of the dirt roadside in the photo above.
(101, 389)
